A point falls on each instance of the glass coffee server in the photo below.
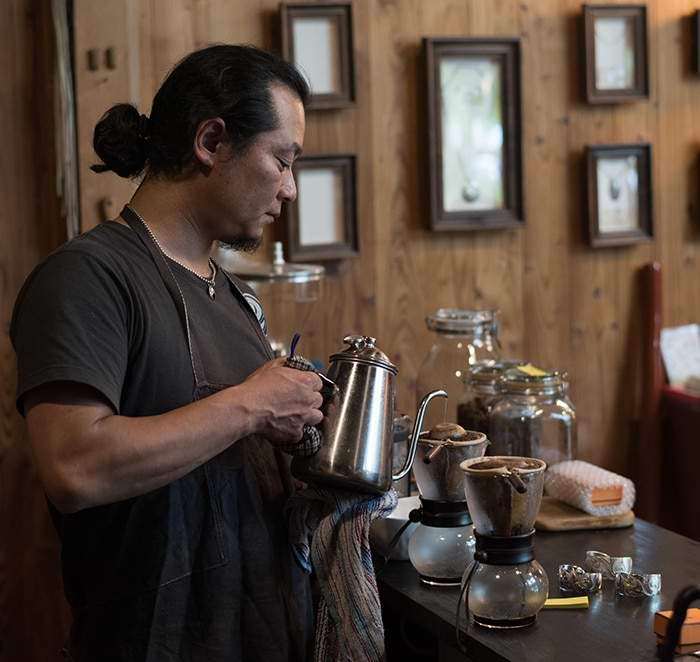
(462, 339)
(534, 418)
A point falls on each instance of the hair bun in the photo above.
(121, 141)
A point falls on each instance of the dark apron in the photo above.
(200, 569)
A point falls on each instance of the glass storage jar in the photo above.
(288, 293)
(462, 339)
(481, 393)
(534, 418)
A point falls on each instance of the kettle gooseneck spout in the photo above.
(416, 432)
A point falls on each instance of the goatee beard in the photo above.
(242, 244)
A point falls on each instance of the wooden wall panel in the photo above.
(601, 282)
(33, 615)
(678, 174)
(563, 304)
(419, 272)
(101, 26)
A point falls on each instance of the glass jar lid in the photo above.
(280, 271)
(362, 349)
(517, 382)
(275, 273)
(487, 373)
(459, 320)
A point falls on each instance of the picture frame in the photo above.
(616, 59)
(322, 221)
(619, 192)
(318, 39)
(474, 133)
(695, 43)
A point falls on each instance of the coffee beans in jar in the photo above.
(534, 417)
(481, 393)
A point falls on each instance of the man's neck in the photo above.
(172, 219)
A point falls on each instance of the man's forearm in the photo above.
(118, 457)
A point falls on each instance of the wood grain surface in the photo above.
(33, 614)
(557, 516)
(563, 305)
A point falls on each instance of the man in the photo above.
(151, 399)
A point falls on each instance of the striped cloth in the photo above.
(329, 531)
(312, 438)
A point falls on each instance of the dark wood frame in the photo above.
(645, 230)
(640, 89)
(508, 53)
(296, 252)
(337, 11)
(695, 42)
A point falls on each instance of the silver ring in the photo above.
(574, 579)
(634, 585)
(608, 566)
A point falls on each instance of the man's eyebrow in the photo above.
(294, 147)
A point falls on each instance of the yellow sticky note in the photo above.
(530, 369)
(579, 602)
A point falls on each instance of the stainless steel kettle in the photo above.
(358, 424)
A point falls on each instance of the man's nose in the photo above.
(288, 191)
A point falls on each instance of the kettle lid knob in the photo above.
(356, 342)
(363, 349)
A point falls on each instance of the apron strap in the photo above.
(249, 312)
(161, 262)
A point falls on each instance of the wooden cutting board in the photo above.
(557, 516)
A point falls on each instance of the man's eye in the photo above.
(284, 164)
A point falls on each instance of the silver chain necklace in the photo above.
(210, 282)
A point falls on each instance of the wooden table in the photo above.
(613, 628)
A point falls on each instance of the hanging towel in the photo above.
(329, 531)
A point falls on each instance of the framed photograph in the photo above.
(616, 53)
(619, 194)
(317, 38)
(321, 222)
(474, 133)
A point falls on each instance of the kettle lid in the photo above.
(362, 349)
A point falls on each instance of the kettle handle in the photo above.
(416, 432)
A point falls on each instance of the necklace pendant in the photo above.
(212, 293)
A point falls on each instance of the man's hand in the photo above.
(282, 400)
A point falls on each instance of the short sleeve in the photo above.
(71, 323)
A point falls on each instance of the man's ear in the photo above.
(209, 141)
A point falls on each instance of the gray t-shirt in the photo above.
(97, 312)
(199, 569)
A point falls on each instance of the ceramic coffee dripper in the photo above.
(442, 479)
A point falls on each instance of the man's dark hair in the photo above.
(231, 82)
